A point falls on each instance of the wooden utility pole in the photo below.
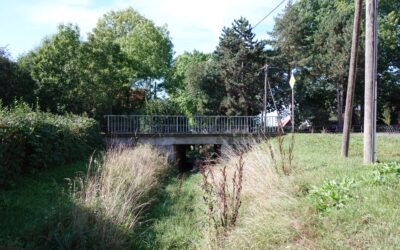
(371, 48)
(351, 84)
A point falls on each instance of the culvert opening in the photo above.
(191, 156)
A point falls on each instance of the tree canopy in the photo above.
(239, 59)
(315, 37)
(124, 52)
(126, 66)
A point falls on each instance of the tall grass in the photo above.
(284, 211)
(264, 218)
(111, 198)
(263, 197)
(222, 196)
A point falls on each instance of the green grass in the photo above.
(34, 202)
(367, 217)
(371, 219)
(175, 219)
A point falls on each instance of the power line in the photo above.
(272, 11)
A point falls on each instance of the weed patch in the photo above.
(331, 194)
(384, 173)
(221, 196)
(282, 157)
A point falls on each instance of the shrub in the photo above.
(331, 194)
(32, 140)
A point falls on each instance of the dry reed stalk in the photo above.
(116, 190)
(222, 197)
(262, 194)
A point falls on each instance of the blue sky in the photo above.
(192, 24)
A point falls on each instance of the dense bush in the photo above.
(32, 140)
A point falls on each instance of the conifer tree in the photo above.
(239, 60)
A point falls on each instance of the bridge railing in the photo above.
(173, 124)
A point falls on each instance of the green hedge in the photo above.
(31, 140)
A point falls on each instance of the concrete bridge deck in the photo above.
(186, 139)
(174, 134)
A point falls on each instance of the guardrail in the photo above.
(173, 124)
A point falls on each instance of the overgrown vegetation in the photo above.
(34, 203)
(32, 140)
(306, 209)
(97, 210)
(109, 201)
(176, 220)
(222, 195)
(309, 209)
(281, 153)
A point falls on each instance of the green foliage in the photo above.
(34, 203)
(384, 173)
(56, 68)
(15, 80)
(315, 37)
(175, 220)
(96, 76)
(387, 115)
(32, 140)
(147, 48)
(331, 194)
(239, 59)
(162, 107)
(195, 84)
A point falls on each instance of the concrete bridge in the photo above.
(174, 134)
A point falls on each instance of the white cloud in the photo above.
(192, 24)
(70, 11)
(187, 17)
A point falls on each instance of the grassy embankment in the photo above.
(303, 210)
(97, 209)
(35, 200)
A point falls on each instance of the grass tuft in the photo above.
(110, 200)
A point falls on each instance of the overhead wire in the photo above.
(265, 67)
(269, 13)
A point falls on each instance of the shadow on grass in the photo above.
(38, 214)
(33, 203)
(172, 221)
(80, 228)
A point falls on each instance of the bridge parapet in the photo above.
(201, 125)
